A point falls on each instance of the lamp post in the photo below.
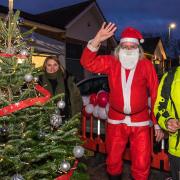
(171, 26)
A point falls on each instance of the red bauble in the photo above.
(102, 98)
(93, 99)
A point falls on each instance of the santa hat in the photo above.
(131, 35)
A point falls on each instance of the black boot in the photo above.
(115, 177)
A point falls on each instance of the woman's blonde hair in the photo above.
(141, 52)
(55, 59)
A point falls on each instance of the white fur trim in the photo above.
(128, 122)
(92, 48)
(134, 40)
(126, 87)
(142, 41)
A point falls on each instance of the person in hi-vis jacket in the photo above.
(167, 111)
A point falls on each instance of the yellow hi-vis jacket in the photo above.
(170, 112)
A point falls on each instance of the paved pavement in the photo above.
(97, 170)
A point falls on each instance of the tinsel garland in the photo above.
(11, 55)
(27, 103)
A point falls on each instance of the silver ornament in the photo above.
(28, 77)
(78, 151)
(55, 120)
(64, 166)
(36, 79)
(17, 177)
(24, 52)
(61, 104)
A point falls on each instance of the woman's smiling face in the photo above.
(51, 66)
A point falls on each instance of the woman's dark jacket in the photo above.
(62, 82)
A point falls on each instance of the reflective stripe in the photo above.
(128, 122)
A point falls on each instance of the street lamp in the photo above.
(171, 26)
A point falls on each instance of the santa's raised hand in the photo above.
(105, 32)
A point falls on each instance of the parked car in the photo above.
(93, 85)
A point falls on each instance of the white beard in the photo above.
(129, 58)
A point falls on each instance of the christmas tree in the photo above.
(34, 143)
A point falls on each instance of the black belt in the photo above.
(131, 114)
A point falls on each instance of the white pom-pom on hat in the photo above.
(141, 40)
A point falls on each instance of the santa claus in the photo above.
(132, 78)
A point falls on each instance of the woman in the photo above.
(56, 80)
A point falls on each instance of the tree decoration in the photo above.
(24, 52)
(31, 148)
(28, 77)
(68, 175)
(17, 177)
(78, 151)
(36, 79)
(27, 103)
(61, 104)
(55, 120)
(64, 166)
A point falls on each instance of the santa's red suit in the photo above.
(128, 116)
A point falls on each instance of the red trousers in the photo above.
(140, 149)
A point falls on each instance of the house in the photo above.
(43, 43)
(74, 26)
(155, 51)
(80, 23)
